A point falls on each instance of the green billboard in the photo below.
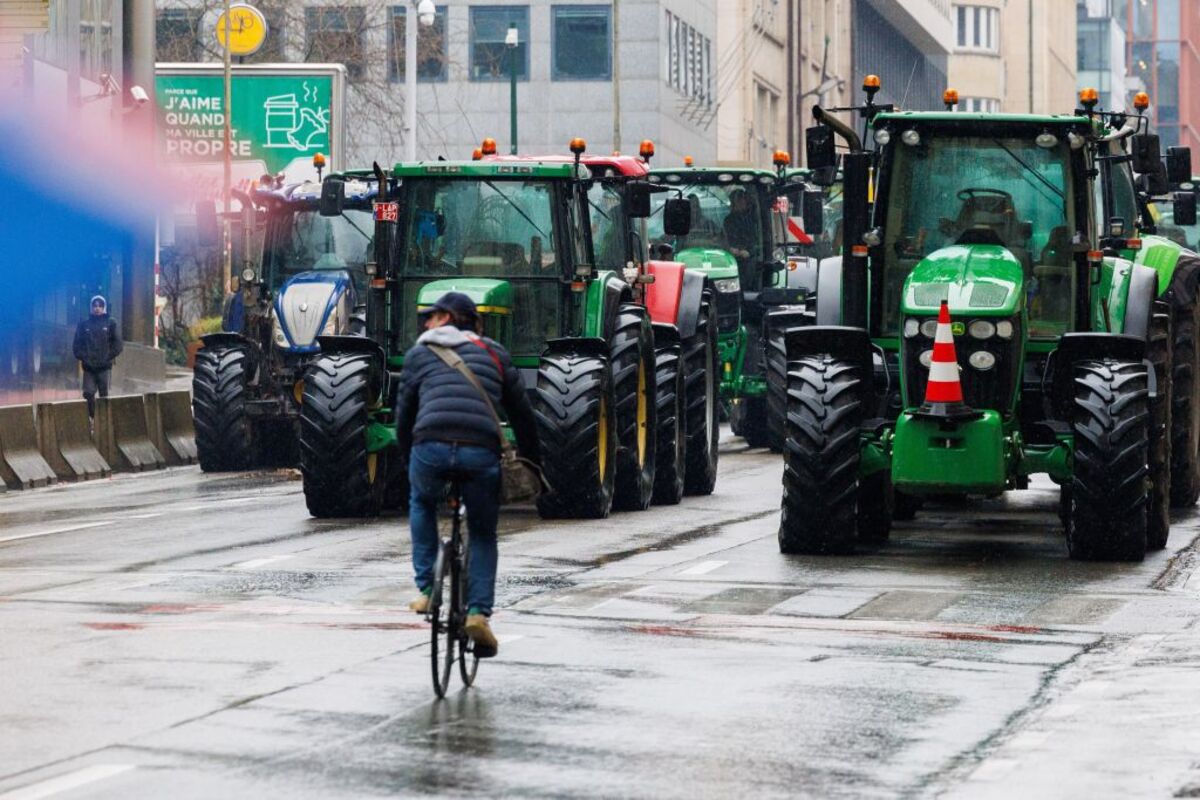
(280, 116)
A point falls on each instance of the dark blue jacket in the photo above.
(97, 342)
(437, 403)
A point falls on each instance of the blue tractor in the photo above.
(249, 378)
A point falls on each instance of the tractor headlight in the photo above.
(910, 137)
(982, 360)
(929, 328)
(279, 336)
(248, 275)
(926, 358)
(727, 285)
(1004, 329)
(882, 136)
(912, 326)
(981, 329)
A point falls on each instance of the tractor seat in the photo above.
(499, 257)
(482, 266)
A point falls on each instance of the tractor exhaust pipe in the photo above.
(840, 128)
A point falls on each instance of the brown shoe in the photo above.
(420, 604)
(480, 632)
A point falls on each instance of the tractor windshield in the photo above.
(727, 215)
(984, 190)
(303, 240)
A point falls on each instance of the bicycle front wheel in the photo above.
(442, 632)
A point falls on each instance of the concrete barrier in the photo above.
(65, 439)
(169, 420)
(121, 434)
(21, 463)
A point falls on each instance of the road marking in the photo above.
(65, 529)
(65, 783)
(255, 563)
(703, 568)
(231, 501)
(142, 516)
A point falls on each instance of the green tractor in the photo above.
(759, 260)
(1068, 337)
(597, 344)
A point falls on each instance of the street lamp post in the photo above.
(511, 41)
(424, 11)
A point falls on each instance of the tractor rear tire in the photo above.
(875, 507)
(754, 421)
(341, 479)
(224, 435)
(1185, 407)
(1109, 491)
(776, 323)
(631, 354)
(578, 431)
(701, 377)
(671, 449)
(821, 457)
(1158, 512)
(905, 506)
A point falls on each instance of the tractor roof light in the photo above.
(477, 154)
(911, 137)
(688, 161)
(781, 158)
(1141, 102)
(488, 148)
(1046, 140)
(883, 136)
(646, 150)
(950, 98)
(319, 160)
(1088, 98)
(871, 86)
(578, 146)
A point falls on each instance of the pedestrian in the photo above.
(444, 425)
(97, 345)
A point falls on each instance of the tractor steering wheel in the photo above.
(973, 192)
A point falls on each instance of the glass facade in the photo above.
(1163, 62)
(911, 79)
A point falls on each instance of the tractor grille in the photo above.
(728, 311)
(992, 388)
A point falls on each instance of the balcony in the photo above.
(928, 24)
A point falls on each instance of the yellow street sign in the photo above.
(247, 30)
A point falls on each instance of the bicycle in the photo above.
(448, 619)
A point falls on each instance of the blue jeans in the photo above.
(427, 467)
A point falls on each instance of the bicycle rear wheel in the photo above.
(468, 662)
(442, 628)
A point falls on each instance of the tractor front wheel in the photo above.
(1158, 512)
(341, 478)
(224, 438)
(634, 393)
(1109, 492)
(672, 437)
(578, 431)
(701, 377)
(821, 457)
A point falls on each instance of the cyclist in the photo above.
(444, 426)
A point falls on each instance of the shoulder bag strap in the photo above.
(454, 361)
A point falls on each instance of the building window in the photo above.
(978, 28)
(337, 35)
(766, 116)
(95, 38)
(489, 53)
(582, 43)
(432, 55)
(177, 35)
(983, 105)
(689, 60)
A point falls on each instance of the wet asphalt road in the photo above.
(199, 636)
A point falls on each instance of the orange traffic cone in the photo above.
(943, 393)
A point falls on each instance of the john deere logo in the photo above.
(958, 328)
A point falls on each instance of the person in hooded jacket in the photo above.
(444, 425)
(97, 345)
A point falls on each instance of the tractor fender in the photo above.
(829, 291)
(228, 339)
(604, 297)
(690, 298)
(1184, 288)
(662, 296)
(335, 345)
(852, 345)
(584, 345)
(803, 273)
(1090, 346)
(1139, 305)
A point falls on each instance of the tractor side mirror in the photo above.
(1146, 152)
(819, 148)
(1179, 165)
(638, 199)
(207, 232)
(813, 211)
(1156, 180)
(333, 197)
(1184, 208)
(677, 217)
